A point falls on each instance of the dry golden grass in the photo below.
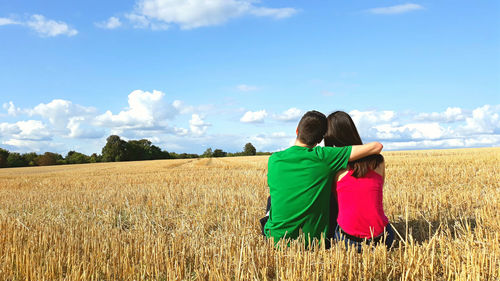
(198, 220)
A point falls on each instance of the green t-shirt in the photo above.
(300, 180)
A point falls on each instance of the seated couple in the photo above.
(305, 181)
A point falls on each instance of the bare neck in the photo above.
(299, 143)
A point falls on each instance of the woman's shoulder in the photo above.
(380, 168)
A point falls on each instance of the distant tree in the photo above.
(49, 158)
(30, 158)
(142, 150)
(165, 155)
(4, 154)
(156, 153)
(94, 158)
(114, 150)
(74, 157)
(16, 160)
(219, 153)
(249, 149)
(208, 153)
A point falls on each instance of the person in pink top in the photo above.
(359, 190)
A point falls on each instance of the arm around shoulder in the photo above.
(360, 151)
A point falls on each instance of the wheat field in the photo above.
(198, 220)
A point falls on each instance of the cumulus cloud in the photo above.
(197, 125)
(111, 23)
(254, 116)
(410, 131)
(396, 9)
(146, 110)
(452, 114)
(485, 119)
(367, 120)
(150, 115)
(455, 127)
(79, 127)
(25, 130)
(160, 14)
(290, 115)
(59, 111)
(272, 141)
(12, 110)
(50, 28)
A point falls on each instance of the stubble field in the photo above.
(198, 220)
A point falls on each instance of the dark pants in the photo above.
(264, 219)
(387, 238)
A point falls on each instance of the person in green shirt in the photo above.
(300, 181)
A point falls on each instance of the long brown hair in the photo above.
(341, 131)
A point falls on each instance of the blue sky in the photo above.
(192, 75)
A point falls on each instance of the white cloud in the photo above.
(246, 88)
(180, 131)
(367, 120)
(411, 131)
(59, 109)
(397, 9)
(279, 135)
(9, 129)
(452, 114)
(7, 21)
(485, 119)
(111, 23)
(197, 125)
(159, 14)
(146, 111)
(49, 28)
(12, 110)
(79, 127)
(25, 130)
(254, 116)
(290, 115)
(272, 141)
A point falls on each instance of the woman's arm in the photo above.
(361, 151)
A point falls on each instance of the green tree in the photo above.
(249, 149)
(114, 150)
(49, 158)
(4, 154)
(94, 158)
(74, 157)
(219, 153)
(208, 153)
(30, 158)
(16, 160)
(140, 150)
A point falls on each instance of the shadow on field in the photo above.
(423, 230)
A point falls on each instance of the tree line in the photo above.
(115, 150)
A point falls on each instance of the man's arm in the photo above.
(360, 151)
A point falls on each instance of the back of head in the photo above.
(312, 127)
(342, 132)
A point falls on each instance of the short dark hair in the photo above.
(312, 127)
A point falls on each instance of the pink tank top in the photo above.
(361, 212)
